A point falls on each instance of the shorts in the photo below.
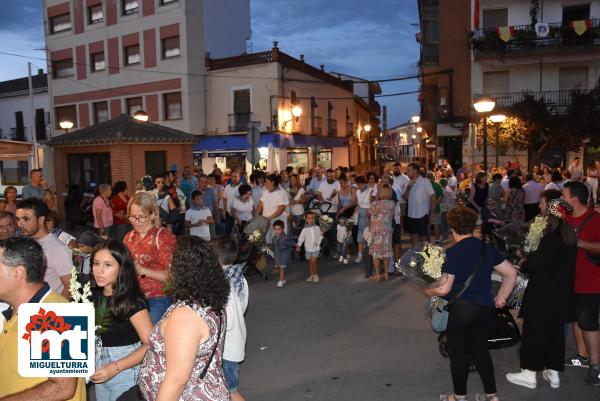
(587, 307)
(397, 235)
(232, 375)
(311, 255)
(418, 226)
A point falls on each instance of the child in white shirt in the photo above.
(343, 236)
(311, 237)
(198, 217)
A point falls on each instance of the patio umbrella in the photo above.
(271, 160)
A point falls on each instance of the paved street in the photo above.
(349, 339)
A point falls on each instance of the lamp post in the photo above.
(66, 125)
(415, 119)
(484, 105)
(140, 115)
(497, 119)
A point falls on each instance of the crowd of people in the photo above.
(166, 255)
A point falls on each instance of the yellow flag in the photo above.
(505, 33)
(581, 26)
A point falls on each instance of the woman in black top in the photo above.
(479, 192)
(548, 302)
(125, 323)
(472, 314)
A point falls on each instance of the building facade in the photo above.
(18, 121)
(546, 53)
(267, 90)
(109, 57)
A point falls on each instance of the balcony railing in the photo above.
(240, 122)
(524, 37)
(349, 129)
(558, 100)
(430, 53)
(332, 127)
(317, 125)
(240, 61)
(14, 136)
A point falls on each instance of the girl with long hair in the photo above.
(126, 323)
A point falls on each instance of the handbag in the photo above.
(592, 257)
(439, 315)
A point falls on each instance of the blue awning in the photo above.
(237, 142)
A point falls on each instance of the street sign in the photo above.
(253, 136)
(253, 156)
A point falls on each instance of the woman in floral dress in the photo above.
(186, 364)
(515, 202)
(381, 213)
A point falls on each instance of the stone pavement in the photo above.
(352, 340)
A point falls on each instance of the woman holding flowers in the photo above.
(381, 214)
(548, 302)
(125, 321)
(471, 315)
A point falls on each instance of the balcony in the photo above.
(349, 129)
(524, 39)
(332, 127)
(430, 53)
(15, 136)
(558, 100)
(374, 108)
(241, 122)
(317, 125)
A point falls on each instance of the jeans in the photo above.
(229, 223)
(124, 380)
(468, 328)
(231, 370)
(157, 307)
(342, 249)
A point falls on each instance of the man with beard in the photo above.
(31, 221)
(8, 228)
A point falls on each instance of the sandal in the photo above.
(451, 397)
(486, 397)
(376, 278)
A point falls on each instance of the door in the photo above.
(155, 163)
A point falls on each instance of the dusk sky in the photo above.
(371, 40)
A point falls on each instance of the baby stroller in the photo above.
(248, 254)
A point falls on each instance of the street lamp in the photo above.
(66, 125)
(141, 115)
(367, 128)
(419, 129)
(296, 112)
(416, 118)
(497, 119)
(483, 105)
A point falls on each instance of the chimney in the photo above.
(275, 43)
(40, 71)
(302, 58)
(323, 67)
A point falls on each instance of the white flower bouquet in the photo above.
(423, 266)
(257, 239)
(326, 223)
(535, 234)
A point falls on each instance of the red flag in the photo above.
(476, 14)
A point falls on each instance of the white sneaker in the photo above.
(359, 258)
(315, 279)
(345, 261)
(310, 278)
(281, 283)
(341, 259)
(525, 378)
(551, 376)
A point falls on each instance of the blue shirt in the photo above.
(33, 192)
(461, 259)
(209, 199)
(315, 183)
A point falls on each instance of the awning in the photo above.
(238, 142)
(15, 150)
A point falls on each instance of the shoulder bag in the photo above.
(439, 315)
(592, 257)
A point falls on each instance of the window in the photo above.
(14, 172)
(240, 119)
(98, 62)
(495, 18)
(132, 55)
(130, 6)
(60, 23)
(63, 68)
(496, 82)
(572, 78)
(100, 112)
(66, 113)
(91, 168)
(430, 32)
(173, 109)
(95, 14)
(156, 163)
(170, 47)
(134, 104)
(576, 13)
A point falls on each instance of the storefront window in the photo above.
(297, 158)
(324, 158)
(87, 169)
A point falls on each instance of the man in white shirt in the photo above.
(231, 192)
(198, 217)
(316, 180)
(421, 205)
(400, 183)
(505, 180)
(533, 191)
(327, 192)
(576, 169)
(31, 221)
(234, 350)
(273, 204)
(452, 181)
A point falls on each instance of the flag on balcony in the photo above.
(505, 33)
(476, 15)
(580, 27)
